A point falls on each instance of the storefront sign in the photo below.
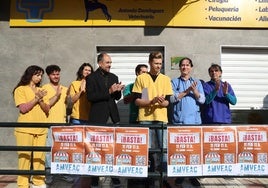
(170, 13)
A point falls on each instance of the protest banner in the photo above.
(99, 150)
(252, 150)
(131, 151)
(219, 150)
(67, 150)
(184, 151)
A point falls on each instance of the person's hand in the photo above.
(58, 91)
(225, 88)
(158, 99)
(120, 86)
(161, 99)
(116, 87)
(217, 85)
(192, 87)
(83, 86)
(40, 94)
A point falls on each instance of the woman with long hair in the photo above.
(77, 94)
(28, 98)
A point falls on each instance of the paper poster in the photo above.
(131, 151)
(219, 150)
(99, 150)
(184, 151)
(144, 94)
(252, 150)
(67, 150)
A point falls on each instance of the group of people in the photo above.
(46, 104)
(91, 99)
(190, 101)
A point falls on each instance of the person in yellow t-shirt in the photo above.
(56, 95)
(28, 97)
(78, 97)
(152, 92)
(56, 98)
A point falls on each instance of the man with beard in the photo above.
(56, 99)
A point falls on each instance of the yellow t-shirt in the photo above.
(82, 106)
(24, 94)
(57, 113)
(161, 86)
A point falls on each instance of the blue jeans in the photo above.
(74, 121)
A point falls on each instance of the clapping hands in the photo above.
(159, 99)
(40, 94)
(224, 86)
(116, 87)
(83, 86)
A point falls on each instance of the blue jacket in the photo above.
(187, 109)
(216, 109)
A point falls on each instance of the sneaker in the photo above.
(179, 181)
(194, 182)
(94, 182)
(49, 179)
(66, 178)
(116, 182)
